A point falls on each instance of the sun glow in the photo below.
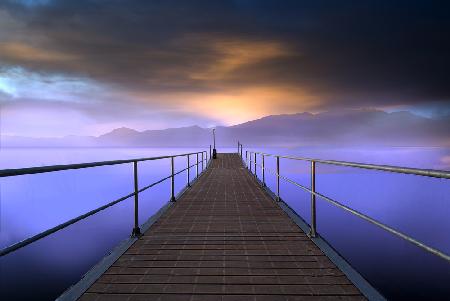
(241, 105)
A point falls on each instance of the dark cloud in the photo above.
(352, 53)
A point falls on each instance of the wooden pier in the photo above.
(224, 239)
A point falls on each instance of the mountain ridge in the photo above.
(338, 127)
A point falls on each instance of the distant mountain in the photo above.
(343, 127)
(346, 127)
(185, 136)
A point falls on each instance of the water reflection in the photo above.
(415, 205)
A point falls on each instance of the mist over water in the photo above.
(417, 206)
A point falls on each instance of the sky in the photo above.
(86, 67)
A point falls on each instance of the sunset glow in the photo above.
(88, 69)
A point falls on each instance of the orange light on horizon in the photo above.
(246, 104)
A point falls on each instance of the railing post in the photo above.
(172, 186)
(278, 179)
(238, 147)
(256, 175)
(196, 167)
(206, 160)
(313, 230)
(247, 153)
(210, 155)
(252, 161)
(263, 171)
(241, 152)
(188, 173)
(246, 158)
(202, 162)
(136, 230)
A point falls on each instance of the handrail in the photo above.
(397, 169)
(53, 168)
(422, 172)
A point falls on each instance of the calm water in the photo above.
(415, 205)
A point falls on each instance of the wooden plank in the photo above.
(224, 239)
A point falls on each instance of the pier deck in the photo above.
(224, 239)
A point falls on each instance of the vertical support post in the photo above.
(214, 148)
(136, 230)
(188, 173)
(206, 161)
(238, 147)
(202, 161)
(210, 152)
(313, 230)
(241, 152)
(252, 156)
(263, 171)
(196, 167)
(256, 175)
(278, 179)
(172, 186)
(246, 158)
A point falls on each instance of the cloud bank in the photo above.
(156, 64)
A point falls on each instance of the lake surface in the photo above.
(417, 206)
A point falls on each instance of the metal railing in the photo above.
(312, 189)
(136, 229)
